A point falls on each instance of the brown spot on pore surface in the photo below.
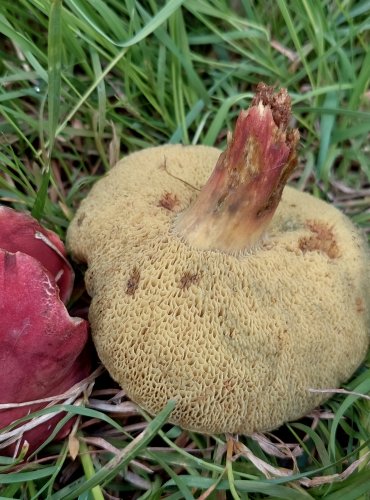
(360, 306)
(133, 281)
(168, 201)
(189, 279)
(80, 219)
(322, 240)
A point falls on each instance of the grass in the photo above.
(84, 82)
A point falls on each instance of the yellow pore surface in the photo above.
(237, 340)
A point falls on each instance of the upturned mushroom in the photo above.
(213, 287)
(42, 348)
(21, 232)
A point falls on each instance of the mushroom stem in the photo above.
(239, 199)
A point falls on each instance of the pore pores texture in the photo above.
(237, 340)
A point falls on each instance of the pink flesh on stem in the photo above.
(21, 232)
(238, 201)
(41, 346)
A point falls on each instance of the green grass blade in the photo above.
(22, 477)
(89, 470)
(41, 196)
(119, 462)
(285, 10)
(326, 126)
(220, 119)
(177, 479)
(360, 129)
(100, 88)
(27, 46)
(353, 488)
(361, 84)
(170, 7)
(54, 67)
(54, 86)
(267, 488)
(362, 388)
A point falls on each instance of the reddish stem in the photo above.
(239, 199)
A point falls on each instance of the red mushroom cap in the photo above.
(21, 232)
(40, 344)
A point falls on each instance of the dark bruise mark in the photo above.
(80, 219)
(10, 262)
(220, 202)
(322, 240)
(133, 281)
(189, 279)
(232, 333)
(169, 201)
(233, 208)
(360, 305)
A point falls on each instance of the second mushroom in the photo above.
(213, 287)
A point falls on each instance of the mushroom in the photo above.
(42, 348)
(20, 231)
(213, 293)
